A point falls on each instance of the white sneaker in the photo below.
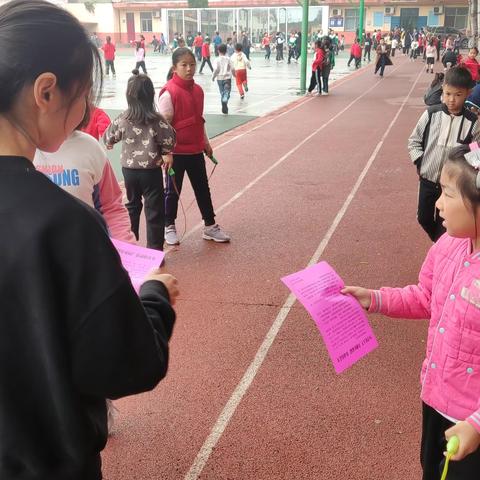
(325, 94)
(215, 233)
(171, 237)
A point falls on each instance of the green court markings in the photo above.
(216, 125)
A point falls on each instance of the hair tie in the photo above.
(473, 159)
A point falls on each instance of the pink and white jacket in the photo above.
(448, 293)
(81, 167)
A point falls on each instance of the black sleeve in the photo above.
(121, 347)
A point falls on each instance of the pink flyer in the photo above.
(138, 261)
(341, 320)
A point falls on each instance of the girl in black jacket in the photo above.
(73, 332)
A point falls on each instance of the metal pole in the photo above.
(360, 26)
(303, 62)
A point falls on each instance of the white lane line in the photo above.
(282, 159)
(247, 379)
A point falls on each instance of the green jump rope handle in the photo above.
(452, 449)
(171, 171)
(214, 160)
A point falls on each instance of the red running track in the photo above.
(281, 191)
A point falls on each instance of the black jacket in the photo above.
(72, 330)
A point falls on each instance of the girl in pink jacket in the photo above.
(448, 294)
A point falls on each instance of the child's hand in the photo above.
(469, 439)
(363, 295)
(170, 282)
(208, 150)
(167, 161)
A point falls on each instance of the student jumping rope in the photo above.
(140, 57)
(440, 128)
(181, 103)
(67, 303)
(223, 74)
(448, 295)
(145, 137)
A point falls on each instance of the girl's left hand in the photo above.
(208, 150)
(469, 439)
(167, 161)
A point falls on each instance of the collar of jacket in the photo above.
(445, 109)
(10, 163)
(186, 84)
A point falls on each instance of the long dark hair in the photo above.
(61, 46)
(141, 100)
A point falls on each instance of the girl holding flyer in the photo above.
(448, 294)
(73, 332)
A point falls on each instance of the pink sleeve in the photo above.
(412, 301)
(112, 208)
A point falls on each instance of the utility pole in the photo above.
(303, 58)
(361, 20)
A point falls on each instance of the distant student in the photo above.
(140, 57)
(430, 53)
(146, 137)
(223, 74)
(181, 103)
(414, 50)
(472, 64)
(266, 46)
(447, 295)
(109, 55)
(355, 54)
(230, 47)
(197, 45)
(240, 63)
(206, 55)
(368, 48)
(449, 59)
(430, 143)
(328, 63)
(316, 78)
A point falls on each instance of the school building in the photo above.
(124, 20)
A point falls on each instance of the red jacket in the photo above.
(318, 60)
(206, 50)
(356, 50)
(188, 121)
(198, 41)
(473, 67)
(109, 51)
(99, 122)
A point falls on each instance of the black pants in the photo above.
(427, 214)
(204, 61)
(366, 53)
(380, 65)
(268, 52)
(291, 54)
(325, 75)
(316, 81)
(279, 53)
(357, 61)
(194, 165)
(148, 184)
(109, 64)
(432, 448)
(198, 53)
(141, 64)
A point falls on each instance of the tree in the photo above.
(198, 3)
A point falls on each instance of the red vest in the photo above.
(188, 121)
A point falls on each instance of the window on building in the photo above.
(175, 23)
(226, 23)
(351, 19)
(456, 17)
(146, 21)
(209, 22)
(259, 24)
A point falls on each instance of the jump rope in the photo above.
(171, 174)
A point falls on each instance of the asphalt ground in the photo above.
(251, 393)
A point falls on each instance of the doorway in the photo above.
(130, 27)
(409, 18)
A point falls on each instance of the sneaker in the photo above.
(325, 94)
(224, 107)
(171, 235)
(242, 97)
(246, 87)
(318, 94)
(215, 233)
